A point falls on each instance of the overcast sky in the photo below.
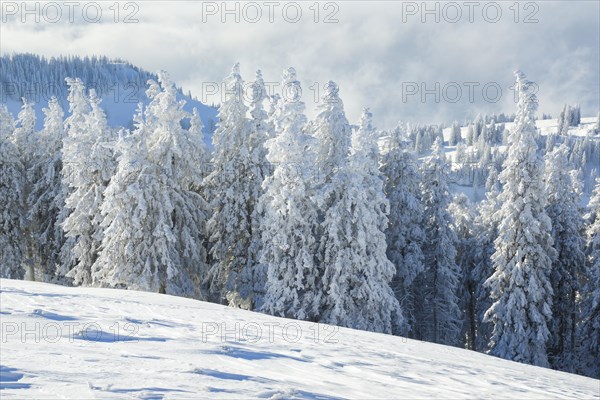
(381, 53)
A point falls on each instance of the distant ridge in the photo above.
(120, 84)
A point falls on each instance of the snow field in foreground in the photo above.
(62, 342)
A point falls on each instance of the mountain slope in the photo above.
(121, 86)
(90, 343)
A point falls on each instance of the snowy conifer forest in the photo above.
(483, 234)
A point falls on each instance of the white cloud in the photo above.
(371, 52)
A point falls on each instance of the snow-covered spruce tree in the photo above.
(482, 146)
(460, 156)
(356, 271)
(563, 189)
(129, 256)
(25, 141)
(520, 286)
(486, 231)
(550, 143)
(11, 206)
(563, 121)
(7, 122)
(478, 125)
(470, 135)
(404, 234)
(73, 164)
(230, 186)
(273, 113)
(455, 134)
(333, 138)
(90, 151)
(563, 124)
(289, 216)
(199, 155)
(423, 140)
(493, 133)
(254, 275)
(437, 303)
(579, 153)
(153, 217)
(46, 198)
(177, 156)
(588, 332)
(24, 135)
(333, 132)
(440, 132)
(463, 215)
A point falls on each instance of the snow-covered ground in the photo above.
(546, 126)
(61, 342)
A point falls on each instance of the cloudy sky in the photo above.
(449, 61)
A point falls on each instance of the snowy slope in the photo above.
(545, 126)
(120, 84)
(169, 356)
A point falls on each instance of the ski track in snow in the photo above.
(165, 356)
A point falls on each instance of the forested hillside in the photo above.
(316, 220)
